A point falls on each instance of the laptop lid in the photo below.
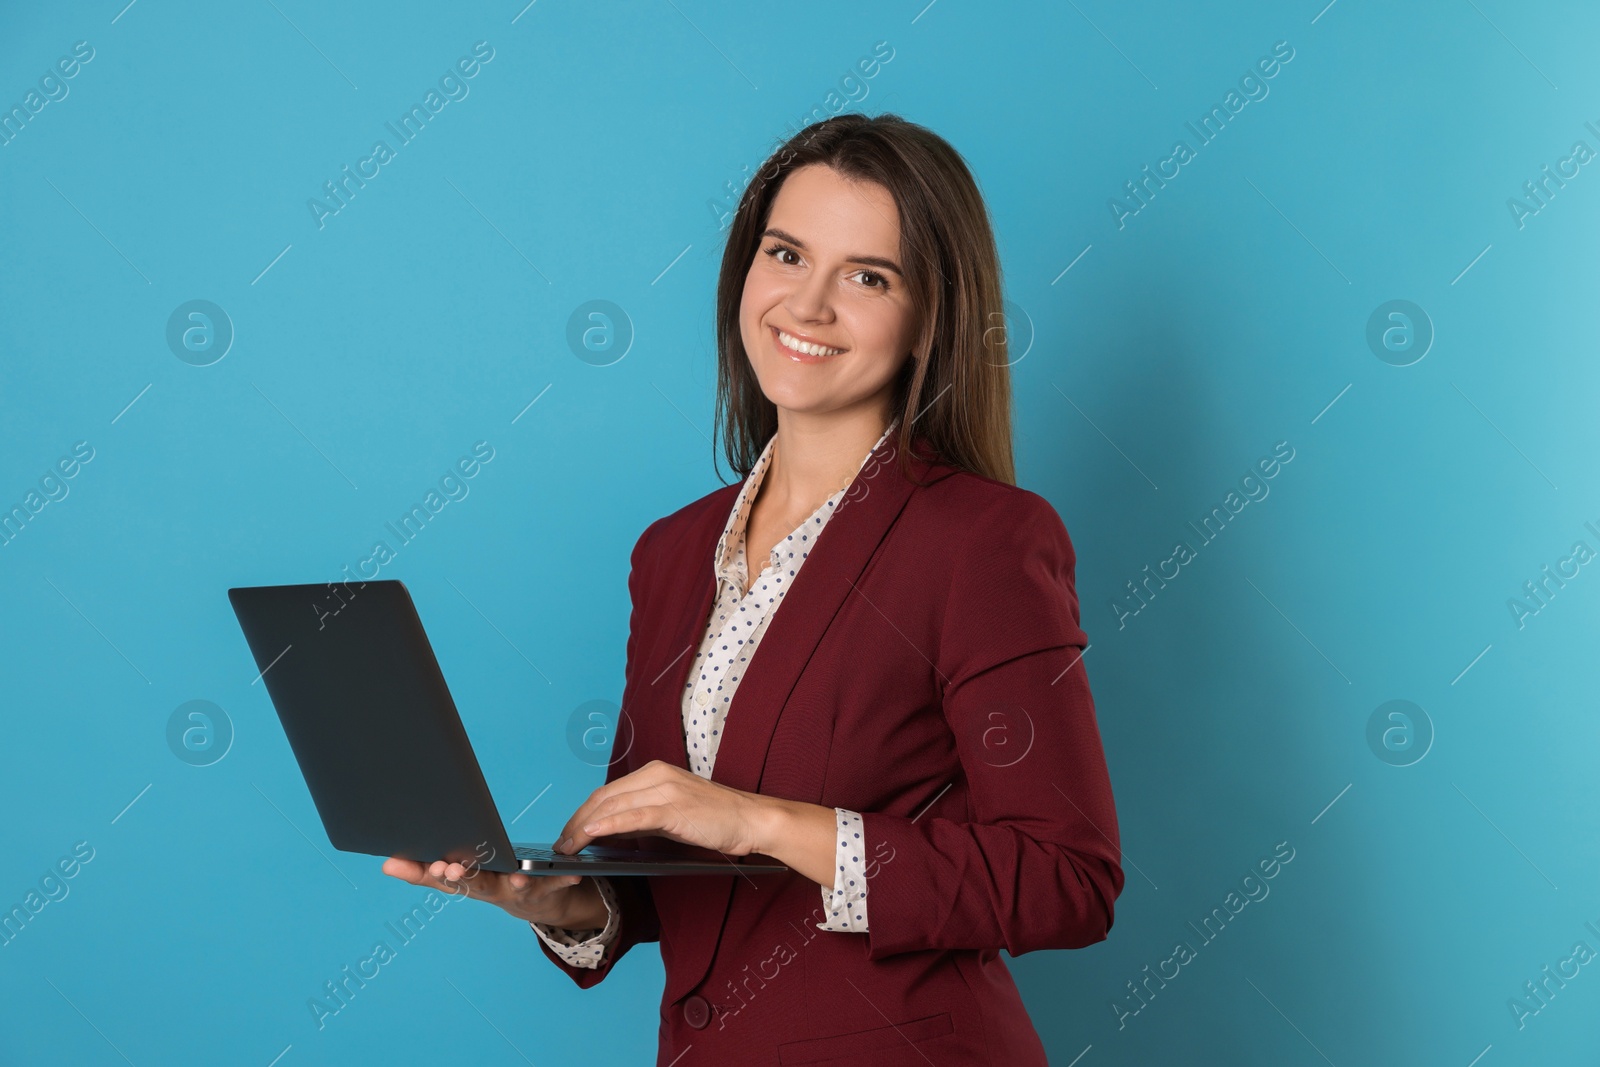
(371, 722)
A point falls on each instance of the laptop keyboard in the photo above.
(527, 852)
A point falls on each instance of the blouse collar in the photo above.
(733, 532)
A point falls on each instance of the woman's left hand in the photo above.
(669, 801)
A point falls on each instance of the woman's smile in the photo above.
(801, 349)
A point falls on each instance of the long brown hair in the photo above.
(956, 391)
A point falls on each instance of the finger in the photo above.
(509, 891)
(572, 837)
(534, 885)
(448, 877)
(406, 870)
(638, 819)
(437, 875)
(586, 810)
(498, 887)
(415, 872)
(649, 777)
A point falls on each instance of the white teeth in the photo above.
(809, 349)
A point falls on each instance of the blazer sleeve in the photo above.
(1034, 861)
(638, 921)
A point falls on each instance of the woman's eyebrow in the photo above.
(871, 261)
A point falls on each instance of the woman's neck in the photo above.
(815, 458)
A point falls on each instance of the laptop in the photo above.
(364, 705)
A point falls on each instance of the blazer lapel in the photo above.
(858, 525)
(831, 571)
(657, 712)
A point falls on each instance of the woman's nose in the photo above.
(808, 300)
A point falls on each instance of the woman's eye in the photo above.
(778, 252)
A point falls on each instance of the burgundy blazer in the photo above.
(924, 669)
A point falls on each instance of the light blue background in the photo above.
(585, 163)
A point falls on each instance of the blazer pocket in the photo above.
(816, 1050)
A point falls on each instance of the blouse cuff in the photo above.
(584, 948)
(846, 902)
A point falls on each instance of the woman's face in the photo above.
(827, 272)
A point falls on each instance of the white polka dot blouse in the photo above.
(737, 622)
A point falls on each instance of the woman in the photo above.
(917, 722)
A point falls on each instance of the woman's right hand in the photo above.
(568, 901)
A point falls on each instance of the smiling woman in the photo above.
(851, 663)
(825, 319)
(874, 230)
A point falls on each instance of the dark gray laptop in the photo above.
(377, 736)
